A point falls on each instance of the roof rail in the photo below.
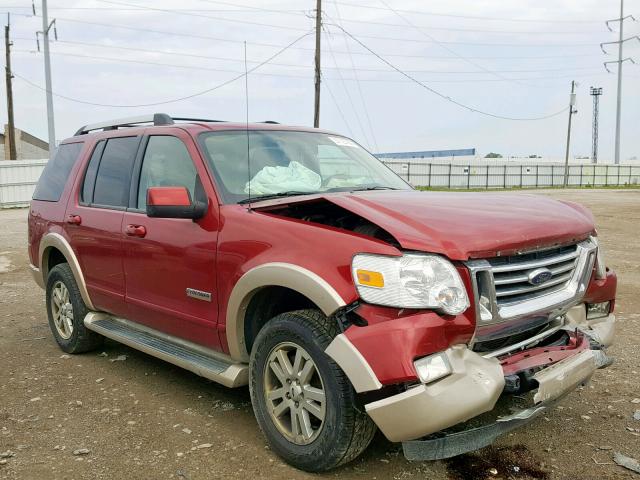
(156, 119)
(186, 119)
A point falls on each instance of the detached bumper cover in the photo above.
(555, 382)
(473, 388)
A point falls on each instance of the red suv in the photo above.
(292, 261)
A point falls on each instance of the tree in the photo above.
(493, 155)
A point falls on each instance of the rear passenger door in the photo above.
(94, 220)
(169, 263)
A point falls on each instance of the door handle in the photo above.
(74, 219)
(135, 231)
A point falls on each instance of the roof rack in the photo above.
(157, 119)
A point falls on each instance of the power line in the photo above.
(443, 96)
(363, 69)
(307, 49)
(346, 90)
(472, 17)
(372, 37)
(298, 13)
(141, 9)
(474, 30)
(337, 105)
(355, 74)
(445, 47)
(199, 15)
(284, 75)
(186, 97)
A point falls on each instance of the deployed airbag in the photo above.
(294, 177)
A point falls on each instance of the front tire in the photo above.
(303, 401)
(66, 311)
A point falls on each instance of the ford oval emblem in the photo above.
(539, 276)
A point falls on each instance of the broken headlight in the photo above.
(410, 281)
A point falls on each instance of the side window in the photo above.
(55, 174)
(90, 174)
(114, 172)
(166, 163)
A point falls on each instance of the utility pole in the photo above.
(572, 102)
(46, 26)
(595, 93)
(620, 61)
(12, 127)
(316, 109)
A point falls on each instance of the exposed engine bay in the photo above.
(323, 212)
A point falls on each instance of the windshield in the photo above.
(283, 163)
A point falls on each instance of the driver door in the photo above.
(170, 263)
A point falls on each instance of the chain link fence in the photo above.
(478, 176)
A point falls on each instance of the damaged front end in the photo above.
(548, 339)
(534, 343)
(541, 376)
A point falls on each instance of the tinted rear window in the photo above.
(56, 173)
(114, 173)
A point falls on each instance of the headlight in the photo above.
(601, 267)
(410, 281)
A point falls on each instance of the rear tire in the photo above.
(66, 311)
(304, 403)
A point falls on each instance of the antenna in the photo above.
(246, 96)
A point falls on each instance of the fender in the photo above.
(55, 240)
(303, 281)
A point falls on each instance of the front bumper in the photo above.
(473, 388)
(476, 384)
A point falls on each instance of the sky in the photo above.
(506, 59)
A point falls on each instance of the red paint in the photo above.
(168, 196)
(140, 267)
(135, 230)
(602, 290)
(74, 219)
(543, 356)
(395, 338)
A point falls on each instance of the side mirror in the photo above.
(173, 202)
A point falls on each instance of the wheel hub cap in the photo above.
(62, 310)
(294, 393)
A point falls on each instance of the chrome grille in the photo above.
(512, 275)
(510, 300)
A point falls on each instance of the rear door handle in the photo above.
(74, 219)
(135, 231)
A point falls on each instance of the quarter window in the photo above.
(166, 163)
(90, 174)
(55, 174)
(114, 172)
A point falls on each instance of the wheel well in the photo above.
(54, 257)
(266, 304)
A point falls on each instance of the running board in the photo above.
(195, 358)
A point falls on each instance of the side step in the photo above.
(195, 358)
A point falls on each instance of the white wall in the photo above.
(18, 179)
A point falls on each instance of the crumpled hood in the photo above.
(463, 225)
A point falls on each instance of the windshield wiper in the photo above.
(374, 187)
(290, 193)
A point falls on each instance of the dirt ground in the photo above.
(141, 418)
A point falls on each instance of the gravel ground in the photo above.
(120, 414)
